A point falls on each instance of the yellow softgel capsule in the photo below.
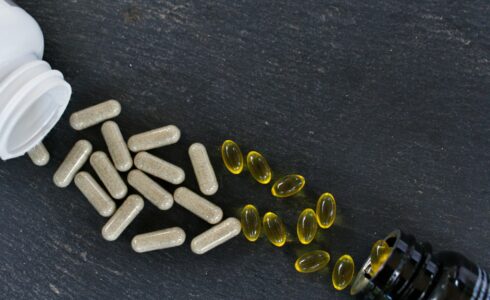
(343, 272)
(379, 254)
(250, 220)
(288, 186)
(232, 156)
(274, 229)
(307, 226)
(326, 210)
(259, 167)
(312, 261)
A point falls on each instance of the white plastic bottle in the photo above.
(32, 95)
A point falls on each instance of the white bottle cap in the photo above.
(32, 100)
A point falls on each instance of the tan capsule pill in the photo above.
(73, 162)
(159, 168)
(123, 216)
(197, 205)
(216, 235)
(108, 174)
(155, 138)
(39, 155)
(95, 194)
(206, 178)
(158, 240)
(118, 150)
(94, 115)
(150, 189)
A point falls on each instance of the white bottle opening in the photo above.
(32, 100)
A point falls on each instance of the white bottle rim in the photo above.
(32, 99)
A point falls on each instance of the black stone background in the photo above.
(383, 103)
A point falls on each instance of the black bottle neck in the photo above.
(413, 272)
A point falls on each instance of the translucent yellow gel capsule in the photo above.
(274, 229)
(312, 261)
(251, 225)
(232, 156)
(326, 210)
(307, 226)
(343, 272)
(288, 186)
(259, 167)
(379, 254)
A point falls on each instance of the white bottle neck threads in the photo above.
(32, 99)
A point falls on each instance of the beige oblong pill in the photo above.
(206, 178)
(158, 240)
(94, 115)
(73, 162)
(159, 168)
(155, 138)
(108, 174)
(123, 216)
(216, 235)
(150, 189)
(118, 150)
(39, 155)
(95, 194)
(199, 206)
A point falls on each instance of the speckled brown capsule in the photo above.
(121, 219)
(158, 240)
(95, 194)
(155, 138)
(118, 150)
(216, 235)
(150, 189)
(39, 155)
(158, 167)
(73, 162)
(206, 178)
(94, 115)
(199, 206)
(108, 174)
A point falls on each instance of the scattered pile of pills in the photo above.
(145, 168)
(110, 185)
(308, 223)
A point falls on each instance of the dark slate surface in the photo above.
(385, 105)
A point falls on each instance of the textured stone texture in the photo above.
(383, 103)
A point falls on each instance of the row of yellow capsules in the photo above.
(271, 223)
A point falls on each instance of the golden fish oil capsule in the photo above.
(343, 272)
(94, 115)
(39, 155)
(288, 186)
(274, 229)
(203, 169)
(232, 156)
(312, 261)
(250, 220)
(326, 210)
(379, 254)
(123, 217)
(259, 167)
(73, 162)
(307, 226)
(118, 150)
(155, 138)
(108, 174)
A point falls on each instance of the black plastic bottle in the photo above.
(412, 271)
